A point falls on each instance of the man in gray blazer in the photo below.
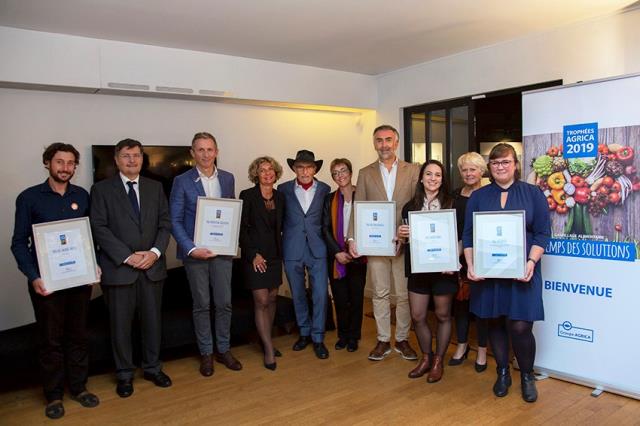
(131, 225)
(303, 248)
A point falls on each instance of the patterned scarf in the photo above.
(337, 219)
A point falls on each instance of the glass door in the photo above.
(441, 131)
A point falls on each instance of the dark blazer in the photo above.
(256, 232)
(299, 228)
(327, 231)
(183, 199)
(119, 232)
(327, 226)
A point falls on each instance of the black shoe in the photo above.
(275, 351)
(301, 343)
(480, 367)
(501, 386)
(352, 345)
(321, 350)
(86, 399)
(528, 383)
(272, 366)
(159, 379)
(341, 344)
(458, 361)
(54, 409)
(124, 389)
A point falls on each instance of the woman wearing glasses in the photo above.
(346, 274)
(510, 305)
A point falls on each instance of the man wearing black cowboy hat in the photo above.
(304, 247)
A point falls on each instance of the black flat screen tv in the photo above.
(160, 162)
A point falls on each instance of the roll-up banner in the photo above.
(582, 148)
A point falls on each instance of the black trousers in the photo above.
(61, 318)
(143, 297)
(348, 297)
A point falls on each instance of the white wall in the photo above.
(30, 120)
(585, 51)
(35, 57)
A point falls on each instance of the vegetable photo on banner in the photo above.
(586, 188)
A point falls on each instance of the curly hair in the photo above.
(52, 149)
(255, 165)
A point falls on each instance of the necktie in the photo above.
(133, 198)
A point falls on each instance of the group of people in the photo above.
(301, 227)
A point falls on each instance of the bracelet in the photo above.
(533, 260)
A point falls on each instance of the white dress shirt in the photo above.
(389, 178)
(136, 189)
(211, 184)
(346, 215)
(305, 197)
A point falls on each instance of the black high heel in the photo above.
(458, 361)
(276, 352)
(271, 366)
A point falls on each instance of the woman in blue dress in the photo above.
(510, 305)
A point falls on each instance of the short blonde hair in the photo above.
(255, 164)
(472, 158)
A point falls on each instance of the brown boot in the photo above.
(436, 370)
(423, 366)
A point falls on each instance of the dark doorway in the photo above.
(445, 130)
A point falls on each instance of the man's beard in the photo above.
(57, 179)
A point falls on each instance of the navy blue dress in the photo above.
(517, 300)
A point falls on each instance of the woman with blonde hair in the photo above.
(471, 167)
(261, 243)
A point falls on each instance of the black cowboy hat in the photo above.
(305, 156)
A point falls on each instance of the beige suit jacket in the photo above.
(370, 187)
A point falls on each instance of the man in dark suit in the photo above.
(304, 248)
(131, 225)
(207, 272)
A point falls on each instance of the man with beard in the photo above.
(61, 316)
(387, 179)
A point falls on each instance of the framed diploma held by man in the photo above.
(499, 244)
(217, 225)
(375, 223)
(434, 241)
(66, 257)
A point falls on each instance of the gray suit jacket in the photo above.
(118, 231)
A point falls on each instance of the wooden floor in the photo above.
(344, 389)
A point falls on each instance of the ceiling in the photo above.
(363, 36)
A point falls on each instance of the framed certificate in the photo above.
(434, 241)
(218, 225)
(375, 227)
(66, 257)
(499, 244)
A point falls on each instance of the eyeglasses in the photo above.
(503, 163)
(341, 172)
(130, 156)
